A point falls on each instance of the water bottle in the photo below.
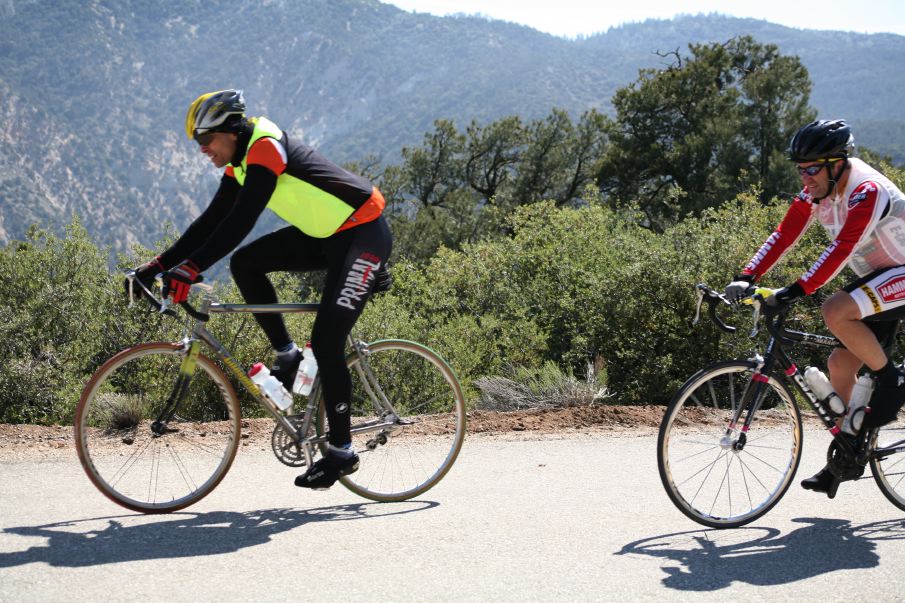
(270, 386)
(304, 378)
(822, 388)
(864, 386)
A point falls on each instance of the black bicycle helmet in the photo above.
(822, 139)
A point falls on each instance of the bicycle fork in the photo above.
(752, 398)
(180, 387)
(757, 387)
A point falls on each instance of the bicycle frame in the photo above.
(199, 334)
(775, 355)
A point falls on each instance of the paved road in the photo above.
(571, 518)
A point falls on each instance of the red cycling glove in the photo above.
(178, 280)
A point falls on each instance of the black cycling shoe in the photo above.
(326, 470)
(824, 481)
(885, 402)
(285, 371)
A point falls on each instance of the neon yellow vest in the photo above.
(315, 212)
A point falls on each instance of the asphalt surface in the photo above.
(580, 517)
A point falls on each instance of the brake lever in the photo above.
(699, 292)
(130, 276)
(755, 327)
(757, 299)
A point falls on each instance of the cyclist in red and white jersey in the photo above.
(864, 214)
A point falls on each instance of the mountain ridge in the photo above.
(94, 109)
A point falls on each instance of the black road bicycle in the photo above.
(158, 424)
(731, 439)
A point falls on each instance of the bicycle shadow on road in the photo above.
(710, 560)
(138, 537)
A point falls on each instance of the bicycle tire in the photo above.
(131, 465)
(689, 447)
(418, 451)
(889, 471)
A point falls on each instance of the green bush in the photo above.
(570, 288)
(590, 285)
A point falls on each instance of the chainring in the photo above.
(842, 464)
(285, 447)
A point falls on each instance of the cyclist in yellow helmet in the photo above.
(336, 224)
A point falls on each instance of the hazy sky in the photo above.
(573, 17)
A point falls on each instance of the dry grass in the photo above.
(546, 387)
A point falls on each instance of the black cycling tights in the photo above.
(351, 258)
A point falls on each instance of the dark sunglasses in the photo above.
(204, 139)
(813, 170)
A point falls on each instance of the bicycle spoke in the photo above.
(129, 463)
(898, 481)
(691, 456)
(742, 467)
(713, 395)
(757, 458)
(754, 475)
(749, 445)
(709, 465)
(709, 471)
(183, 470)
(720, 489)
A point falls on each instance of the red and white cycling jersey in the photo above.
(866, 222)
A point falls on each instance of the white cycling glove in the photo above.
(735, 290)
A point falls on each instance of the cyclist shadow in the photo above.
(710, 560)
(78, 544)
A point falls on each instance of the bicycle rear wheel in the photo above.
(889, 469)
(704, 474)
(156, 472)
(418, 444)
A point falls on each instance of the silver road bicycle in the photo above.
(158, 424)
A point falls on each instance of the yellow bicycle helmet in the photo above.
(211, 112)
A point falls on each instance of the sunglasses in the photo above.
(204, 139)
(813, 170)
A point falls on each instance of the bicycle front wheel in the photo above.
(887, 461)
(144, 467)
(711, 477)
(408, 425)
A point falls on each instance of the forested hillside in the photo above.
(94, 92)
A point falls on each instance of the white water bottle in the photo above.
(864, 386)
(304, 378)
(822, 388)
(270, 386)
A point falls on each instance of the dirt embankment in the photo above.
(17, 441)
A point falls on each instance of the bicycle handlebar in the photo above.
(756, 297)
(163, 306)
(713, 299)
